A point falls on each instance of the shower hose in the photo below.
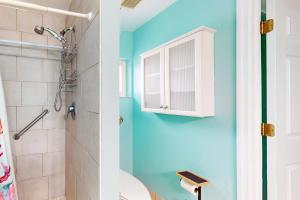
(58, 97)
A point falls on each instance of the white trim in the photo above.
(32, 6)
(249, 146)
(109, 160)
(162, 98)
(201, 28)
(272, 100)
(122, 78)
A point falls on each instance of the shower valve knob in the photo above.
(72, 111)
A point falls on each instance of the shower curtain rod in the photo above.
(29, 45)
(32, 6)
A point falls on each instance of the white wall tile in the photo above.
(54, 54)
(76, 157)
(9, 18)
(26, 114)
(89, 6)
(54, 120)
(12, 92)
(81, 192)
(81, 126)
(90, 90)
(90, 177)
(93, 135)
(26, 20)
(59, 198)
(81, 66)
(8, 67)
(68, 147)
(51, 70)
(20, 190)
(71, 183)
(34, 38)
(92, 43)
(14, 51)
(29, 69)
(56, 140)
(54, 163)
(34, 94)
(16, 147)
(34, 142)
(53, 42)
(83, 135)
(12, 118)
(30, 166)
(10, 35)
(56, 186)
(36, 189)
(78, 24)
(56, 22)
(52, 90)
(37, 39)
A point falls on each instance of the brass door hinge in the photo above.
(266, 26)
(267, 130)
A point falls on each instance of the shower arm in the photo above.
(17, 136)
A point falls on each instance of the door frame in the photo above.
(248, 97)
(271, 100)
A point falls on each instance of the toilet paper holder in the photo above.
(194, 180)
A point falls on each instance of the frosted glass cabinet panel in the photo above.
(153, 86)
(185, 76)
(181, 75)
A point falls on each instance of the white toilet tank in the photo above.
(131, 188)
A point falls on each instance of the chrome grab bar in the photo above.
(31, 124)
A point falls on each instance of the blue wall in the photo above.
(164, 144)
(126, 135)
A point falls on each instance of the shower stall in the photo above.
(50, 67)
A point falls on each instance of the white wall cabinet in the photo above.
(178, 77)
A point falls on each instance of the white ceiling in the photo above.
(131, 19)
(61, 4)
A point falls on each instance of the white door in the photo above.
(284, 100)
(153, 81)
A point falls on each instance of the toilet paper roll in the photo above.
(188, 187)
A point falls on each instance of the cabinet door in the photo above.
(153, 81)
(181, 76)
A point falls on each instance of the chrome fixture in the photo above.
(40, 30)
(31, 124)
(61, 36)
(72, 111)
(68, 75)
(65, 30)
(121, 120)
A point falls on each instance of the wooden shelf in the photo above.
(192, 178)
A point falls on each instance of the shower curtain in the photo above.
(7, 173)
